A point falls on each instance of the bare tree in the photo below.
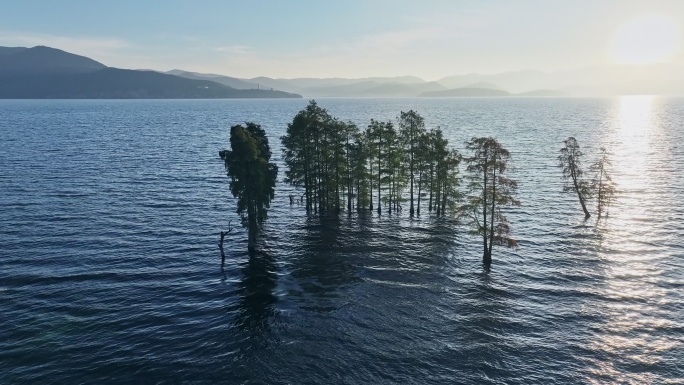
(570, 161)
(602, 184)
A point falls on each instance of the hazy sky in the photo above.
(290, 38)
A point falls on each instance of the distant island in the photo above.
(48, 73)
(485, 92)
(378, 87)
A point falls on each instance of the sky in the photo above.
(430, 39)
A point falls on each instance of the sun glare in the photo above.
(645, 40)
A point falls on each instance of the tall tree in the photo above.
(438, 157)
(422, 166)
(489, 191)
(396, 168)
(411, 128)
(449, 181)
(305, 151)
(602, 185)
(252, 176)
(380, 140)
(570, 161)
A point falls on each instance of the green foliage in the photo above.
(412, 129)
(489, 191)
(382, 144)
(252, 176)
(330, 159)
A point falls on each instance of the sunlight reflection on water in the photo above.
(632, 294)
(110, 212)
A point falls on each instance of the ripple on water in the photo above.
(110, 212)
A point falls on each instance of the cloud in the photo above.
(235, 50)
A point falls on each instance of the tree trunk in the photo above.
(223, 256)
(411, 171)
(252, 227)
(307, 190)
(581, 199)
(379, 188)
(577, 189)
(420, 177)
(599, 197)
(370, 206)
(487, 257)
(491, 223)
(432, 187)
(445, 194)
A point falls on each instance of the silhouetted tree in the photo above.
(449, 181)
(422, 164)
(602, 185)
(570, 161)
(381, 136)
(411, 129)
(489, 190)
(360, 176)
(252, 176)
(438, 156)
(306, 153)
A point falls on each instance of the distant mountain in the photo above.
(343, 87)
(515, 81)
(542, 93)
(402, 90)
(276, 84)
(489, 86)
(44, 60)
(466, 92)
(221, 79)
(11, 50)
(656, 79)
(45, 73)
(372, 89)
(331, 82)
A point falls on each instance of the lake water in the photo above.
(110, 213)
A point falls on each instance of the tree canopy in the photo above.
(489, 191)
(570, 161)
(252, 176)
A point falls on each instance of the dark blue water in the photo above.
(110, 272)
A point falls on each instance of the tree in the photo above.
(437, 156)
(449, 180)
(381, 138)
(570, 161)
(602, 185)
(306, 152)
(411, 129)
(489, 191)
(252, 176)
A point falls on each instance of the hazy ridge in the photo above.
(43, 72)
(48, 73)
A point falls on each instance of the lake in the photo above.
(110, 213)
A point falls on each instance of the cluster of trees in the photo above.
(338, 164)
(383, 166)
(600, 186)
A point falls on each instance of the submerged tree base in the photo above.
(487, 259)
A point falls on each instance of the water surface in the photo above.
(110, 272)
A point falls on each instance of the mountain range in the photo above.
(43, 72)
(48, 73)
(657, 79)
